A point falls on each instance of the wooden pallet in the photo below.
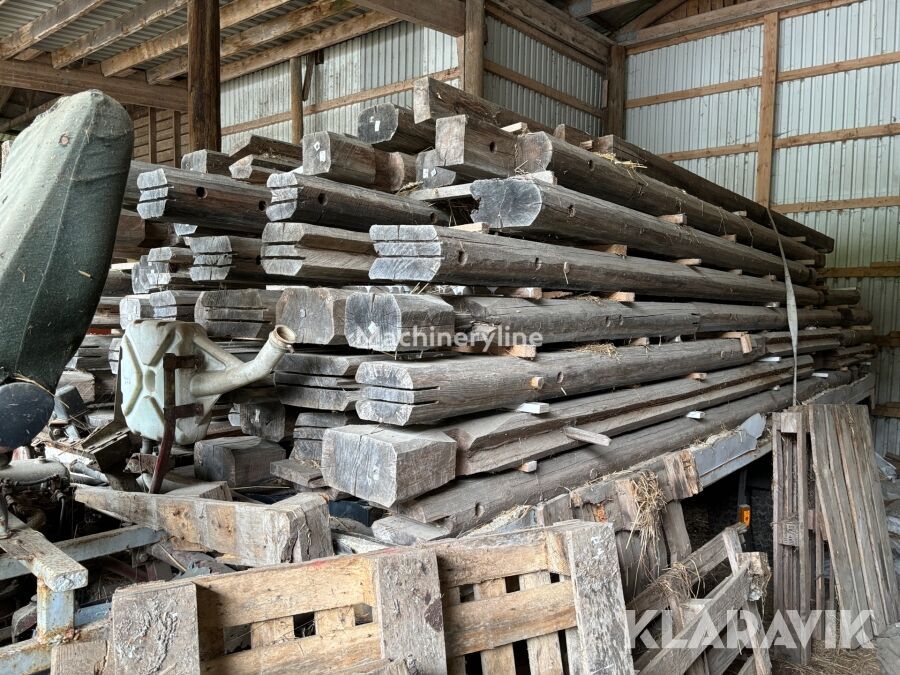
(437, 607)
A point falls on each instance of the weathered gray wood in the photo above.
(679, 177)
(237, 313)
(338, 157)
(539, 210)
(433, 99)
(269, 420)
(206, 161)
(315, 253)
(431, 174)
(389, 322)
(154, 628)
(386, 466)
(320, 381)
(316, 315)
(591, 174)
(427, 253)
(298, 198)
(263, 145)
(240, 461)
(391, 127)
(405, 393)
(256, 169)
(473, 148)
(227, 258)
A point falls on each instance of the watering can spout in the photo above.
(214, 383)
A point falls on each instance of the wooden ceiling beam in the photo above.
(707, 20)
(273, 29)
(36, 76)
(46, 24)
(582, 8)
(332, 35)
(655, 13)
(231, 14)
(27, 117)
(445, 16)
(123, 26)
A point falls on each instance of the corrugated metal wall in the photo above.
(827, 171)
(512, 49)
(386, 56)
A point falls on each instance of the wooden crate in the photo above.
(434, 607)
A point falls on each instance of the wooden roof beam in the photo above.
(36, 76)
(714, 19)
(655, 13)
(301, 18)
(332, 35)
(46, 24)
(446, 16)
(582, 8)
(231, 14)
(123, 26)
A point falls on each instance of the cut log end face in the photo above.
(506, 203)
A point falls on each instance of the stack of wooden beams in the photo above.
(523, 312)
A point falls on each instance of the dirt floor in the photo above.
(832, 662)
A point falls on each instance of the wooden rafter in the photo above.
(36, 76)
(631, 35)
(273, 29)
(115, 29)
(231, 14)
(46, 24)
(580, 8)
(339, 32)
(448, 16)
(656, 12)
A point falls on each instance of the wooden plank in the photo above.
(647, 17)
(582, 8)
(231, 14)
(473, 58)
(54, 19)
(115, 29)
(57, 571)
(839, 204)
(446, 17)
(713, 19)
(35, 76)
(839, 66)
(695, 92)
(539, 87)
(767, 102)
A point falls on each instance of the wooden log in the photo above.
(268, 420)
(307, 199)
(841, 296)
(433, 99)
(206, 161)
(679, 177)
(353, 456)
(394, 171)
(591, 174)
(247, 533)
(310, 428)
(389, 322)
(404, 393)
(468, 502)
(228, 259)
(320, 381)
(474, 148)
(430, 174)
(179, 196)
(263, 145)
(425, 253)
(316, 315)
(391, 127)
(538, 210)
(316, 254)
(339, 157)
(257, 168)
(237, 313)
(239, 461)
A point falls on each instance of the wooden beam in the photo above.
(473, 59)
(657, 11)
(448, 16)
(54, 19)
(581, 8)
(838, 204)
(718, 151)
(564, 28)
(694, 92)
(541, 88)
(839, 66)
(615, 96)
(231, 14)
(876, 131)
(115, 29)
(204, 127)
(887, 410)
(768, 93)
(296, 100)
(340, 32)
(36, 76)
(299, 19)
(630, 36)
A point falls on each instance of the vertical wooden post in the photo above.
(204, 124)
(152, 134)
(766, 142)
(177, 149)
(615, 96)
(473, 61)
(297, 100)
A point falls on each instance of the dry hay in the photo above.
(649, 501)
(831, 662)
(604, 348)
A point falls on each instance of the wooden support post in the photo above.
(151, 135)
(473, 61)
(615, 96)
(203, 75)
(296, 100)
(177, 149)
(768, 88)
